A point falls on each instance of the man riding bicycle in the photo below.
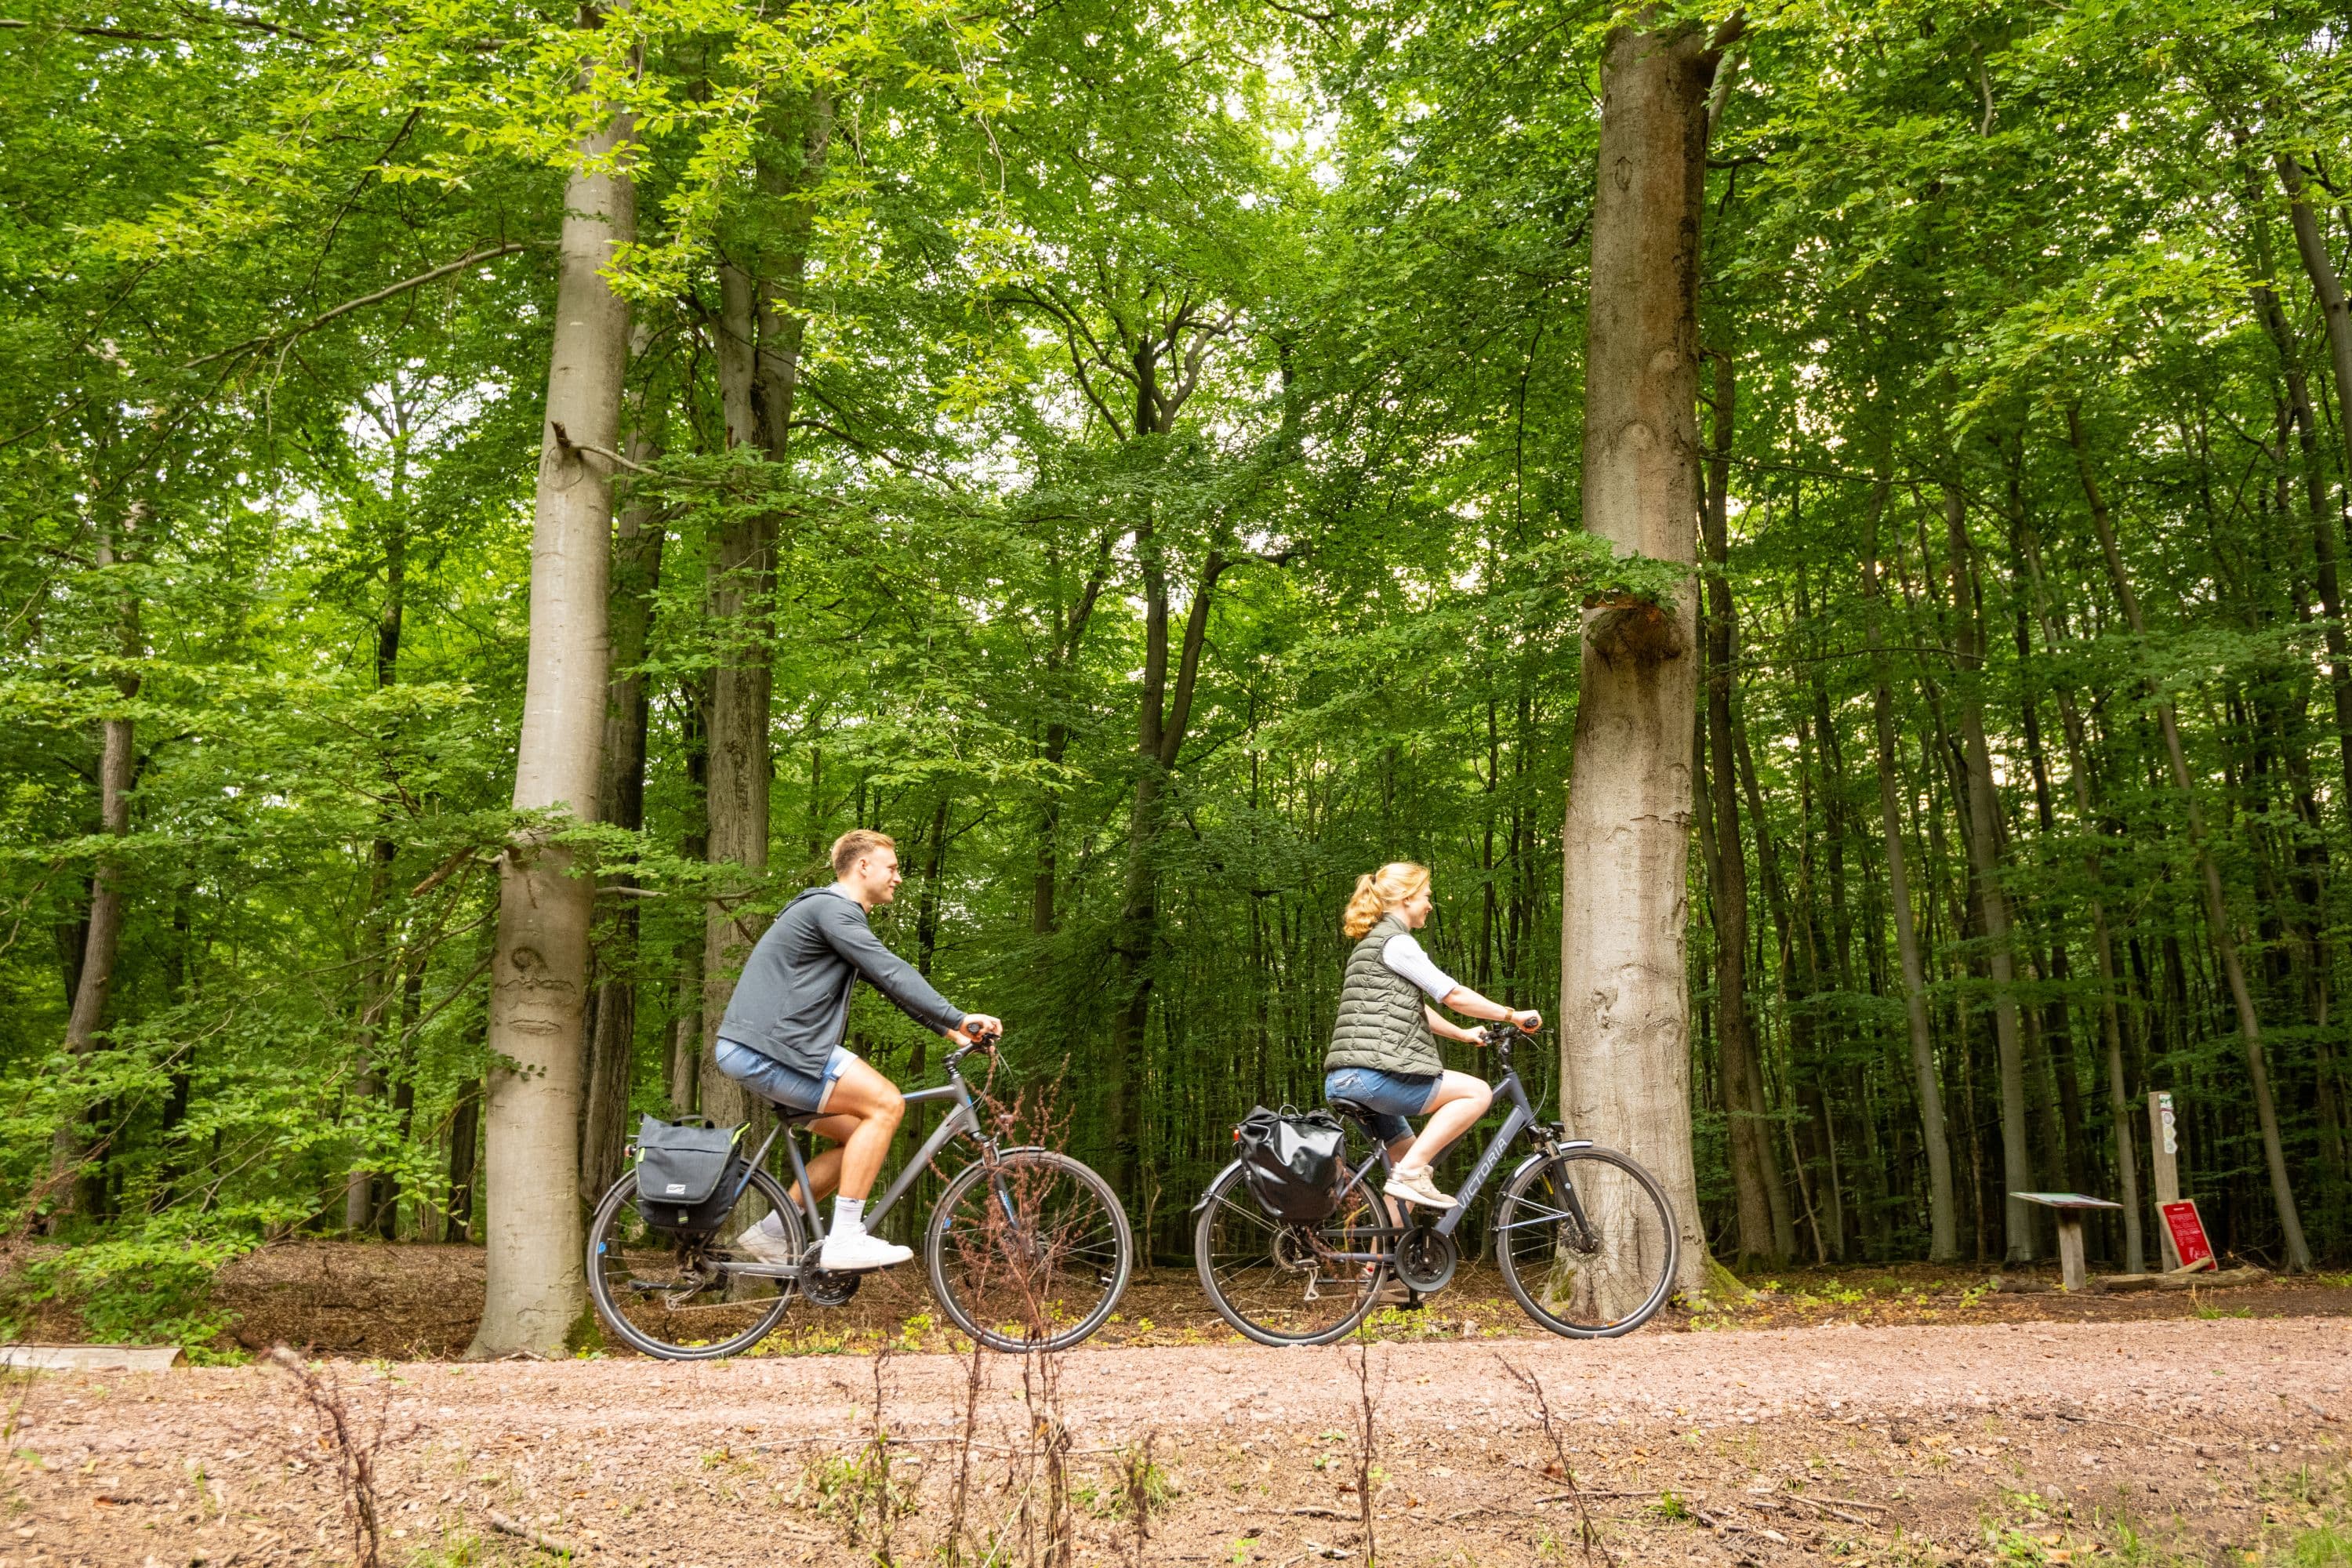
(782, 1039)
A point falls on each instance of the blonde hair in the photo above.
(1378, 893)
(858, 842)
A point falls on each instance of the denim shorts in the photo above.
(1390, 1096)
(770, 1079)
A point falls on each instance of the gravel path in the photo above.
(644, 1461)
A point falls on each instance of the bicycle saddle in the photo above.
(1355, 1110)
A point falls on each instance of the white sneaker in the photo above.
(1413, 1185)
(758, 1244)
(849, 1254)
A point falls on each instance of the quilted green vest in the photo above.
(1380, 1023)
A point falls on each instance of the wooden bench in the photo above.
(2070, 1208)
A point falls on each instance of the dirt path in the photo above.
(1905, 1444)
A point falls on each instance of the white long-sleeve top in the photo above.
(1403, 955)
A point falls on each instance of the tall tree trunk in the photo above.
(2120, 1108)
(693, 845)
(1069, 636)
(742, 567)
(1736, 1054)
(1164, 717)
(2324, 527)
(1755, 1165)
(639, 537)
(363, 1195)
(1784, 945)
(2336, 311)
(1980, 821)
(535, 1288)
(1943, 1246)
(465, 1128)
(1625, 996)
(75, 1175)
(2217, 907)
(761, 331)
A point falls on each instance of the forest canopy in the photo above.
(1136, 456)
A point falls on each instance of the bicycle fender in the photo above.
(1211, 1187)
(1539, 1156)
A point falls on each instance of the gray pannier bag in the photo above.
(688, 1173)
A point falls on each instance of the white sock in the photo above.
(848, 1217)
(773, 1227)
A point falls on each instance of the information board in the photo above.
(2187, 1233)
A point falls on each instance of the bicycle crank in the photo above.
(1425, 1259)
(820, 1288)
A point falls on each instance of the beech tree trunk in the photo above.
(1755, 1163)
(1981, 829)
(364, 1194)
(535, 1288)
(1927, 1084)
(2301, 415)
(2336, 311)
(742, 568)
(639, 537)
(79, 1185)
(1624, 998)
(759, 378)
(2111, 1030)
(2217, 906)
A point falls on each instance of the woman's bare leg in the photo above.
(1460, 1101)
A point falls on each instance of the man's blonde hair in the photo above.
(859, 842)
(1378, 893)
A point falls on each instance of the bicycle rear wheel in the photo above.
(1031, 1252)
(1285, 1283)
(1587, 1243)
(676, 1297)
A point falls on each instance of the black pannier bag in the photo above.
(1293, 1160)
(688, 1173)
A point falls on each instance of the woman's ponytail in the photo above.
(1380, 893)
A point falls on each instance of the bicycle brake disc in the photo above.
(1425, 1259)
(821, 1288)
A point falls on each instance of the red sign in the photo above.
(2188, 1242)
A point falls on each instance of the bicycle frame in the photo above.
(1520, 1118)
(964, 1118)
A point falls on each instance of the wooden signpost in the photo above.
(2164, 1150)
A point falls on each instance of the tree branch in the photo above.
(390, 291)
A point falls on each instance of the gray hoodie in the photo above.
(792, 1002)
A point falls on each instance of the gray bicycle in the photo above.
(1583, 1235)
(1027, 1249)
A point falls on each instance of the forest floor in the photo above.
(418, 1302)
(2216, 1442)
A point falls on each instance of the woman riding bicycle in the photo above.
(1383, 1054)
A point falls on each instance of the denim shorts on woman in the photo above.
(1390, 1096)
(770, 1079)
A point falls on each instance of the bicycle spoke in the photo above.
(1030, 1251)
(1586, 1243)
(1281, 1283)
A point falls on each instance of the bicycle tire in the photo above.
(609, 1244)
(1634, 1212)
(1230, 1200)
(1031, 1286)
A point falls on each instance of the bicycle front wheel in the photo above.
(1029, 1253)
(678, 1297)
(1283, 1282)
(1587, 1243)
